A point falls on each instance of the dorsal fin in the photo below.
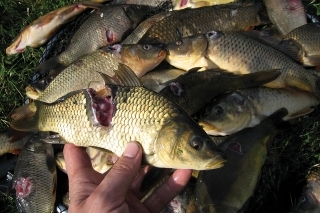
(123, 76)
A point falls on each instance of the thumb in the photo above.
(116, 183)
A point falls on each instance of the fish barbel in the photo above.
(85, 72)
(112, 117)
(35, 177)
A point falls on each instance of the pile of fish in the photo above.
(175, 76)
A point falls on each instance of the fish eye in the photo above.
(146, 47)
(178, 43)
(302, 199)
(138, 7)
(218, 110)
(196, 143)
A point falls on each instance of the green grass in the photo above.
(282, 177)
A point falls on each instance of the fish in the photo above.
(240, 54)
(104, 27)
(125, 111)
(156, 79)
(286, 15)
(176, 4)
(102, 160)
(222, 190)
(35, 177)
(42, 29)
(310, 197)
(187, 22)
(86, 72)
(193, 90)
(306, 38)
(244, 108)
(189, 52)
(12, 141)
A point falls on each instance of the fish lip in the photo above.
(218, 161)
(211, 129)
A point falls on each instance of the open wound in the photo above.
(23, 187)
(102, 105)
(235, 147)
(176, 88)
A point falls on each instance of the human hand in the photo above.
(118, 189)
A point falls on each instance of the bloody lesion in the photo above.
(23, 187)
(102, 103)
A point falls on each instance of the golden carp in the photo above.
(85, 72)
(228, 188)
(310, 198)
(156, 80)
(189, 52)
(112, 117)
(35, 177)
(193, 90)
(103, 27)
(307, 38)
(43, 28)
(187, 22)
(286, 14)
(248, 107)
(240, 54)
(12, 141)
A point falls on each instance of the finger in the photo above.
(136, 183)
(112, 191)
(167, 191)
(82, 178)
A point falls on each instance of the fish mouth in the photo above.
(217, 162)
(211, 129)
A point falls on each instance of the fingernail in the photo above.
(131, 150)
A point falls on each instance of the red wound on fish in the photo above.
(110, 36)
(104, 107)
(183, 3)
(23, 187)
(176, 89)
(235, 147)
(294, 5)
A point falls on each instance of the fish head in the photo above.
(187, 49)
(142, 58)
(136, 13)
(182, 144)
(309, 201)
(226, 115)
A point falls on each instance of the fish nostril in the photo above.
(196, 143)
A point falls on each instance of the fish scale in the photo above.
(182, 23)
(239, 54)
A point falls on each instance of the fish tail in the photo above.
(277, 116)
(259, 78)
(32, 92)
(51, 65)
(24, 118)
(15, 135)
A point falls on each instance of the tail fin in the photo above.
(257, 78)
(277, 116)
(24, 118)
(51, 65)
(263, 16)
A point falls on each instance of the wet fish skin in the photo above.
(85, 72)
(239, 54)
(307, 38)
(35, 177)
(246, 151)
(156, 80)
(110, 118)
(187, 22)
(194, 90)
(309, 200)
(189, 52)
(286, 14)
(104, 27)
(42, 29)
(12, 142)
(244, 108)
